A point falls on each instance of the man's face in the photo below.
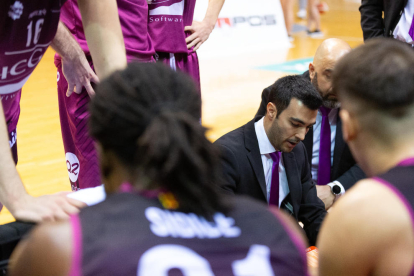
(287, 130)
(321, 78)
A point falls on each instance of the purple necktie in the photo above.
(324, 167)
(411, 31)
(274, 188)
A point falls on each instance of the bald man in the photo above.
(371, 229)
(333, 167)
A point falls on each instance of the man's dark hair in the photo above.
(295, 86)
(380, 73)
(148, 115)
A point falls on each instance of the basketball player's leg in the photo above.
(81, 157)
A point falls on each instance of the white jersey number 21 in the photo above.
(158, 260)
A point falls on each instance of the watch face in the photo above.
(336, 190)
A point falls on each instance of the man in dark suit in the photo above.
(266, 159)
(396, 22)
(340, 172)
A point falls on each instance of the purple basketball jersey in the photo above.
(133, 15)
(27, 27)
(128, 234)
(167, 19)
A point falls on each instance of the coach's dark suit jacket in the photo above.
(243, 174)
(372, 22)
(344, 168)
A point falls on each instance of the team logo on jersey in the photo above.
(12, 140)
(73, 166)
(16, 10)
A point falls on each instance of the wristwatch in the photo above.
(337, 189)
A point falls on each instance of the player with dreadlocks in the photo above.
(162, 214)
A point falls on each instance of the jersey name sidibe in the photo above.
(166, 223)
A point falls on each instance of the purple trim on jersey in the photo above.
(403, 200)
(407, 162)
(75, 268)
(300, 246)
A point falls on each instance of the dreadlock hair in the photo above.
(148, 115)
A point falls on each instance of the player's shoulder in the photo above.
(373, 206)
(50, 242)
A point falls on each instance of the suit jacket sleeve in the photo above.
(312, 209)
(230, 169)
(263, 103)
(372, 22)
(352, 176)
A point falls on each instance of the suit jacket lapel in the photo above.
(339, 148)
(294, 180)
(253, 153)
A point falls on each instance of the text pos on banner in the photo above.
(244, 26)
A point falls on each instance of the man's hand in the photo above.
(75, 66)
(79, 74)
(200, 31)
(45, 208)
(325, 194)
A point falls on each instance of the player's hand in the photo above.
(79, 74)
(45, 208)
(200, 31)
(325, 194)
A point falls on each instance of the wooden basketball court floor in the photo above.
(231, 90)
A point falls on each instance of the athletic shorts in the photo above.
(80, 153)
(13, 145)
(185, 62)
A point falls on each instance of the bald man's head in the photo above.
(320, 71)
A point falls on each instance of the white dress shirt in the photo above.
(265, 149)
(333, 117)
(403, 26)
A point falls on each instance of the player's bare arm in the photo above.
(54, 241)
(202, 30)
(76, 68)
(103, 33)
(14, 196)
(367, 231)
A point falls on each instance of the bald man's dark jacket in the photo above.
(243, 174)
(344, 168)
(373, 24)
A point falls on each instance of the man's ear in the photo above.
(271, 111)
(311, 71)
(350, 125)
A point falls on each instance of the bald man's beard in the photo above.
(327, 101)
